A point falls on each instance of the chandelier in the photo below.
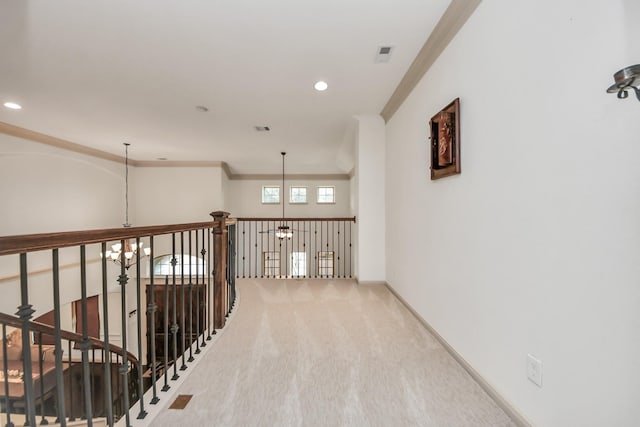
(119, 254)
(130, 249)
(283, 231)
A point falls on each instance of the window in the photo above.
(270, 194)
(298, 264)
(297, 194)
(271, 263)
(325, 263)
(162, 265)
(327, 194)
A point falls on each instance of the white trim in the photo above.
(503, 403)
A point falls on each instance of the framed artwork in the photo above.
(445, 141)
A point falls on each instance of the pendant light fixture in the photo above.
(283, 231)
(125, 255)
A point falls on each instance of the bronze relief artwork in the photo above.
(445, 141)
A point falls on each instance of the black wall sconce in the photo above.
(626, 79)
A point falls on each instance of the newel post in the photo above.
(220, 242)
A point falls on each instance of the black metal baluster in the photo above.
(262, 248)
(322, 249)
(182, 317)
(202, 307)
(190, 340)
(286, 253)
(304, 248)
(212, 293)
(41, 373)
(72, 416)
(5, 371)
(315, 249)
(92, 373)
(298, 242)
(118, 388)
(25, 312)
(174, 325)
(243, 245)
(350, 251)
(228, 272)
(122, 280)
(118, 402)
(85, 344)
(197, 300)
(249, 250)
(337, 249)
(269, 269)
(61, 418)
(165, 335)
(142, 412)
(344, 249)
(280, 260)
(151, 316)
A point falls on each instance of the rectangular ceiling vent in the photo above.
(384, 54)
(262, 128)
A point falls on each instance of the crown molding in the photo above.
(31, 135)
(301, 177)
(176, 163)
(445, 30)
(52, 141)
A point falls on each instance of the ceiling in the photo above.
(101, 73)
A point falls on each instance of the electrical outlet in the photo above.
(534, 370)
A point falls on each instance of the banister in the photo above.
(13, 321)
(350, 218)
(10, 245)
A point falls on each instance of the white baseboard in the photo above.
(369, 282)
(503, 403)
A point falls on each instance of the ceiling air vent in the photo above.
(262, 128)
(384, 53)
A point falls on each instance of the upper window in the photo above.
(270, 194)
(327, 194)
(190, 265)
(297, 194)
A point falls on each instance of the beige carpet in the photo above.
(328, 353)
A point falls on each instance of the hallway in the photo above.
(328, 353)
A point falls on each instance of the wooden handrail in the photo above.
(352, 218)
(37, 242)
(70, 336)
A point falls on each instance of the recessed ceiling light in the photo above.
(202, 108)
(262, 128)
(13, 105)
(320, 86)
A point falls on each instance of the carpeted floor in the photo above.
(328, 353)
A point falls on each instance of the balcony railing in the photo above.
(294, 248)
(55, 374)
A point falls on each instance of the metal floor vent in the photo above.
(181, 401)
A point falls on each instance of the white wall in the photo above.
(45, 189)
(174, 195)
(245, 199)
(534, 247)
(370, 200)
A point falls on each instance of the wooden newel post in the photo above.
(220, 242)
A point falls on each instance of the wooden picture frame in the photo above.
(445, 141)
